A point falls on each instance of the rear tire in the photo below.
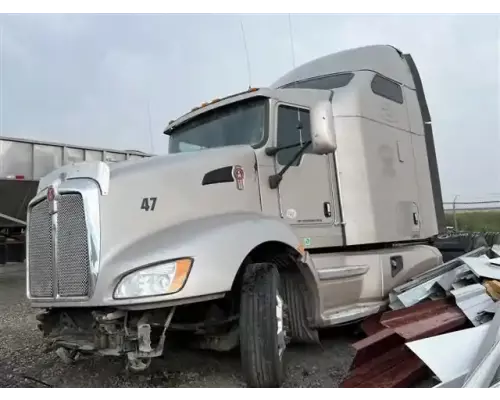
(262, 329)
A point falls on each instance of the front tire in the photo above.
(262, 329)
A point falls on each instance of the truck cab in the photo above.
(277, 212)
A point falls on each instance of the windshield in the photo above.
(235, 124)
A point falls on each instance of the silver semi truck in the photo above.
(22, 163)
(279, 211)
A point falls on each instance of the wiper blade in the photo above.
(274, 180)
(272, 151)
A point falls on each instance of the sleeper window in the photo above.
(386, 88)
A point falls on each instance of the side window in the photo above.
(386, 88)
(185, 147)
(293, 127)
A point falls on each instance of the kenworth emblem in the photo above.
(51, 198)
(239, 176)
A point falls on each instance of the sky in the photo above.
(115, 81)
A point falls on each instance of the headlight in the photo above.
(158, 280)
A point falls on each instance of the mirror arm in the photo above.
(274, 180)
(272, 151)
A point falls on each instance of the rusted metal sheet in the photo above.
(375, 346)
(425, 319)
(383, 360)
(398, 367)
(372, 325)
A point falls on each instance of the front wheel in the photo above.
(262, 328)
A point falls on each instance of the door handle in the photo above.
(327, 209)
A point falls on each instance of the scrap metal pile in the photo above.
(444, 322)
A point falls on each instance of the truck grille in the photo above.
(41, 276)
(71, 265)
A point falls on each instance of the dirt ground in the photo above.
(23, 362)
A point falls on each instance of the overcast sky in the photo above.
(87, 79)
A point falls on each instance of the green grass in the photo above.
(476, 221)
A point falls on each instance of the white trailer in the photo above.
(22, 163)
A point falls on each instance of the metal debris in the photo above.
(492, 336)
(446, 356)
(496, 249)
(439, 270)
(414, 295)
(473, 300)
(491, 309)
(475, 364)
(446, 320)
(442, 322)
(482, 376)
(495, 261)
(482, 267)
(434, 283)
(383, 360)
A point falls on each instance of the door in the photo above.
(305, 192)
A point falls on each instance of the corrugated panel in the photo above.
(473, 300)
(424, 319)
(433, 273)
(398, 367)
(482, 267)
(382, 359)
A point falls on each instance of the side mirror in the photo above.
(322, 128)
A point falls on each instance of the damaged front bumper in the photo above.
(139, 335)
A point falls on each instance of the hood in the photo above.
(149, 195)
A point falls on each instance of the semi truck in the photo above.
(22, 163)
(278, 212)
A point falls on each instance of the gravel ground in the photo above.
(24, 364)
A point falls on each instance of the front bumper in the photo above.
(149, 303)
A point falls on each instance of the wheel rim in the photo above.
(281, 333)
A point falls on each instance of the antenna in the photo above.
(291, 39)
(1, 80)
(292, 48)
(150, 129)
(246, 54)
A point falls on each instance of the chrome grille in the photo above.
(41, 273)
(72, 247)
(71, 264)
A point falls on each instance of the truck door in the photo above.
(305, 193)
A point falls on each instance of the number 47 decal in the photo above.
(148, 203)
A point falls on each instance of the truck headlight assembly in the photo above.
(166, 278)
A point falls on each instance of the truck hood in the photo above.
(150, 195)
